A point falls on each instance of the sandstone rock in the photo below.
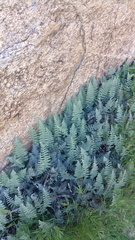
(49, 48)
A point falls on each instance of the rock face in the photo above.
(49, 48)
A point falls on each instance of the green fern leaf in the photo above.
(14, 182)
(98, 186)
(90, 95)
(20, 155)
(94, 170)
(57, 126)
(33, 136)
(3, 219)
(78, 170)
(77, 112)
(119, 118)
(44, 160)
(27, 211)
(85, 163)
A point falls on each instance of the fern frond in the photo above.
(98, 116)
(78, 170)
(57, 126)
(111, 71)
(73, 133)
(111, 181)
(121, 180)
(82, 96)
(85, 163)
(22, 174)
(41, 131)
(44, 160)
(20, 155)
(64, 128)
(46, 201)
(33, 136)
(3, 213)
(115, 84)
(45, 135)
(83, 130)
(4, 179)
(94, 170)
(77, 112)
(107, 168)
(98, 186)
(119, 144)
(13, 182)
(103, 94)
(50, 123)
(27, 211)
(119, 118)
(71, 146)
(111, 139)
(109, 106)
(46, 227)
(9, 200)
(68, 111)
(90, 95)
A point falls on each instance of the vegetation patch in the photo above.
(75, 160)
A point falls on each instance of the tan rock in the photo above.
(49, 48)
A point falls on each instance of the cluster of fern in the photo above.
(75, 157)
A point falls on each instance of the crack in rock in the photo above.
(109, 42)
(16, 43)
(79, 63)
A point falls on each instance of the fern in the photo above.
(33, 136)
(27, 211)
(22, 175)
(90, 96)
(73, 132)
(45, 135)
(119, 118)
(46, 227)
(46, 201)
(115, 84)
(111, 140)
(94, 170)
(83, 131)
(14, 182)
(50, 123)
(41, 131)
(98, 116)
(103, 94)
(119, 144)
(64, 128)
(3, 219)
(98, 186)
(44, 160)
(78, 170)
(4, 179)
(110, 185)
(85, 163)
(77, 112)
(75, 158)
(20, 155)
(107, 168)
(121, 180)
(82, 96)
(71, 146)
(57, 126)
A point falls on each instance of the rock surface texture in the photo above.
(49, 48)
